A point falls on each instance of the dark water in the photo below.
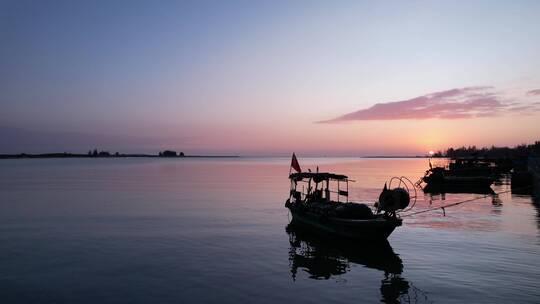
(214, 231)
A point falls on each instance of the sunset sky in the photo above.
(268, 77)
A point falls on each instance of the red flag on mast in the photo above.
(294, 164)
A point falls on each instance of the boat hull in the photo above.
(372, 229)
(438, 188)
(459, 181)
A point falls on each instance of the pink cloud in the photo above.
(459, 103)
(534, 92)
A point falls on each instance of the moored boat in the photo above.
(466, 174)
(321, 205)
(442, 176)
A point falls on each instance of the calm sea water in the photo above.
(215, 231)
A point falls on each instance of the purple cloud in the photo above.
(459, 103)
(534, 92)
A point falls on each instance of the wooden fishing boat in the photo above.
(443, 188)
(315, 205)
(469, 175)
(442, 176)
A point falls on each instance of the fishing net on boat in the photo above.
(342, 210)
(352, 211)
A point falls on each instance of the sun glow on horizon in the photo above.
(268, 79)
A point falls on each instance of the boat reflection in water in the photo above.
(439, 192)
(323, 258)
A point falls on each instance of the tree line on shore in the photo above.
(103, 154)
(166, 153)
(519, 151)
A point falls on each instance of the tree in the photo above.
(168, 153)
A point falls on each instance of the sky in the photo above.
(268, 77)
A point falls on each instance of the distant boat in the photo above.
(311, 207)
(467, 174)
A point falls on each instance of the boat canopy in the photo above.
(317, 176)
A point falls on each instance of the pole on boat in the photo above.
(327, 189)
(338, 194)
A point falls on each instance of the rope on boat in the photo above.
(462, 202)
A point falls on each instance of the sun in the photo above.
(431, 152)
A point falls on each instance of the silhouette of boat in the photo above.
(469, 175)
(312, 207)
(442, 188)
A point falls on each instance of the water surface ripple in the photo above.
(216, 231)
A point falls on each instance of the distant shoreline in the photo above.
(136, 155)
(395, 156)
(75, 155)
